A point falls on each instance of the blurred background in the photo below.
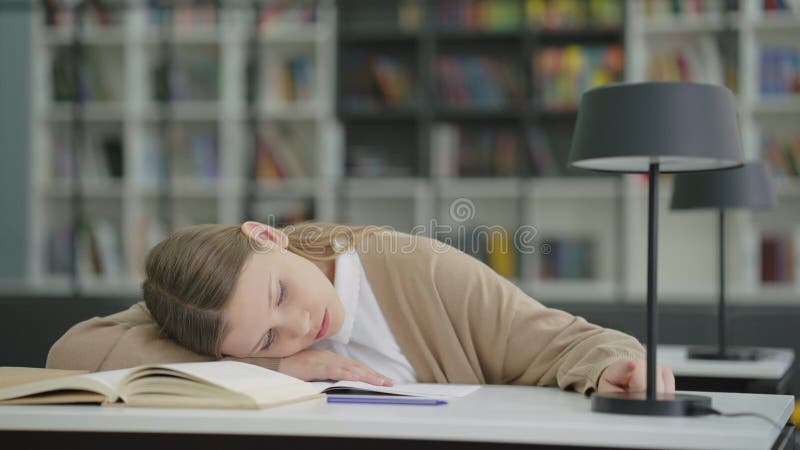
(122, 120)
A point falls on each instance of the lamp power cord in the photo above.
(706, 410)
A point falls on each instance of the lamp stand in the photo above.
(722, 351)
(651, 403)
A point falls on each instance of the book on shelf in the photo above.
(392, 79)
(99, 77)
(190, 153)
(215, 384)
(58, 13)
(782, 153)
(685, 8)
(279, 153)
(777, 258)
(191, 76)
(779, 70)
(375, 80)
(292, 80)
(563, 73)
(378, 160)
(479, 15)
(183, 14)
(567, 259)
(409, 15)
(555, 15)
(98, 249)
(782, 6)
(476, 151)
(477, 81)
(485, 151)
(541, 152)
(99, 252)
(195, 154)
(698, 60)
(286, 14)
(493, 245)
(100, 159)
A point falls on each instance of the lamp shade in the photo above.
(680, 126)
(749, 186)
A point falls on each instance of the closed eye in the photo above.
(271, 333)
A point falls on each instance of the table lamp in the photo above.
(654, 127)
(748, 187)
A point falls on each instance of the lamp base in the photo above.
(637, 403)
(730, 354)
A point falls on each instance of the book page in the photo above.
(432, 390)
(103, 383)
(188, 382)
(14, 376)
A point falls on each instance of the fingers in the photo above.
(619, 374)
(353, 370)
(665, 380)
(632, 376)
(371, 376)
(668, 379)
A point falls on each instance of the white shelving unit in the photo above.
(687, 247)
(131, 46)
(611, 212)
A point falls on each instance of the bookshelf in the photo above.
(371, 130)
(444, 105)
(742, 44)
(163, 124)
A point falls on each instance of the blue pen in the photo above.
(388, 400)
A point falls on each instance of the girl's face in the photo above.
(281, 304)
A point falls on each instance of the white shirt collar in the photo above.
(347, 282)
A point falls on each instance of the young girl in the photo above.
(324, 301)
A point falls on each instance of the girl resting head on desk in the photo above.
(325, 301)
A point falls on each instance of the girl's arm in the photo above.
(517, 340)
(126, 339)
(131, 338)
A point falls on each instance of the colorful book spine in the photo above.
(779, 70)
(374, 80)
(700, 60)
(288, 12)
(479, 15)
(183, 14)
(782, 152)
(556, 15)
(476, 82)
(782, 6)
(562, 74)
(777, 259)
(568, 259)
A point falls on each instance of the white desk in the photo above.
(493, 414)
(770, 374)
(774, 365)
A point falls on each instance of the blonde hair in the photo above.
(190, 275)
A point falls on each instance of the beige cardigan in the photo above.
(455, 319)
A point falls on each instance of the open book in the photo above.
(217, 384)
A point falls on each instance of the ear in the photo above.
(265, 234)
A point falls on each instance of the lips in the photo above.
(324, 326)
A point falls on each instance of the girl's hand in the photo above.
(312, 364)
(631, 376)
